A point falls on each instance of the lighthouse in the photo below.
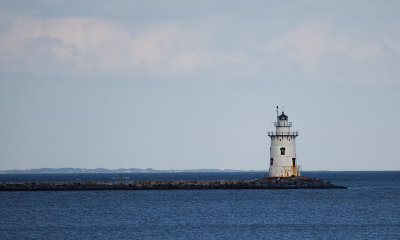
(283, 148)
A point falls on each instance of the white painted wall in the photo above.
(282, 164)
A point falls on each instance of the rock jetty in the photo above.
(264, 183)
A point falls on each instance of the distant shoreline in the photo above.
(150, 170)
(119, 170)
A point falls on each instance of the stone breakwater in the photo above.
(264, 183)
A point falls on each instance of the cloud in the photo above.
(305, 44)
(311, 45)
(44, 49)
(88, 44)
(365, 51)
(394, 45)
(211, 47)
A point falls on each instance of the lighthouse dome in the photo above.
(283, 117)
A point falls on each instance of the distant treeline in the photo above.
(104, 170)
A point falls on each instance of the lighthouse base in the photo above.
(284, 171)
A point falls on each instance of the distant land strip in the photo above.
(119, 170)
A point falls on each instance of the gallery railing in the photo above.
(273, 134)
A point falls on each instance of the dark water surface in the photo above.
(369, 209)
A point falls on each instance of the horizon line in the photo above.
(186, 170)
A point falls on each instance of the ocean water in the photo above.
(369, 209)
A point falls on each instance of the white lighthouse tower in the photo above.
(283, 149)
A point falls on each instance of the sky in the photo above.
(181, 84)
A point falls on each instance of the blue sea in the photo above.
(368, 209)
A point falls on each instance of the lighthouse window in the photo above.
(294, 161)
(283, 151)
(271, 161)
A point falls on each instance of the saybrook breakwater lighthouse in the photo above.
(283, 149)
(284, 173)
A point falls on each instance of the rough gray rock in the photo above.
(264, 183)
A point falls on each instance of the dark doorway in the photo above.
(283, 150)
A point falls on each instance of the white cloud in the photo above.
(304, 44)
(309, 45)
(393, 44)
(365, 51)
(209, 46)
(94, 44)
